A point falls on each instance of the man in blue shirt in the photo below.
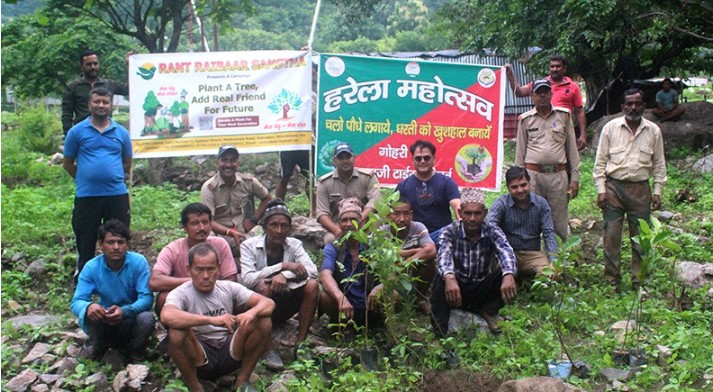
(667, 107)
(122, 318)
(464, 280)
(97, 154)
(432, 195)
(524, 217)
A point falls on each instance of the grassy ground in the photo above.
(37, 203)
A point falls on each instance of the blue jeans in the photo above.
(130, 336)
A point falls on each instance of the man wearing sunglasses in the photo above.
(432, 195)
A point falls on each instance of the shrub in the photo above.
(40, 129)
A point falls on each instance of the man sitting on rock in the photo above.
(122, 316)
(668, 108)
(205, 339)
(417, 244)
(464, 258)
(524, 217)
(171, 268)
(344, 275)
(278, 267)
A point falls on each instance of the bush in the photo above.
(40, 129)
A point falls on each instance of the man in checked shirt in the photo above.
(464, 280)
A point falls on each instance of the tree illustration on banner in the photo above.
(284, 102)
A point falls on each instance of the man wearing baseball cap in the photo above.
(231, 198)
(547, 148)
(344, 182)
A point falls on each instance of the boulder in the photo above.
(35, 320)
(130, 379)
(470, 322)
(695, 274)
(22, 381)
(694, 129)
(63, 365)
(98, 382)
(309, 231)
(704, 165)
(611, 374)
(36, 353)
(537, 384)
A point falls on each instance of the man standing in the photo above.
(344, 275)
(565, 93)
(278, 267)
(668, 108)
(75, 106)
(630, 152)
(289, 161)
(206, 340)
(416, 244)
(524, 217)
(171, 268)
(464, 258)
(546, 147)
(344, 182)
(231, 198)
(97, 154)
(122, 317)
(432, 195)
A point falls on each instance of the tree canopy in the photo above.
(601, 38)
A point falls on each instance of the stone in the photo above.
(623, 325)
(99, 382)
(56, 159)
(575, 224)
(617, 385)
(36, 353)
(704, 165)
(665, 354)
(37, 269)
(309, 231)
(63, 365)
(131, 379)
(22, 381)
(73, 350)
(14, 305)
(35, 320)
(611, 374)
(49, 378)
(282, 382)
(470, 322)
(599, 333)
(40, 388)
(695, 274)
(537, 384)
(665, 216)
(17, 257)
(114, 359)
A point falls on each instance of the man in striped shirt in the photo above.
(464, 280)
(524, 217)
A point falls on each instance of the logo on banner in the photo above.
(147, 71)
(486, 77)
(284, 102)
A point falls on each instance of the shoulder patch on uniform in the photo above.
(213, 183)
(368, 172)
(325, 176)
(527, 114)
(561, 109)
(246, 177)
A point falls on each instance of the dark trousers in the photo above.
(89, 213)
(484, 295)
(131, 335)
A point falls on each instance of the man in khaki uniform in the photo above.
(231, 198)
(545, 145)
(344, 182)
(630, 151)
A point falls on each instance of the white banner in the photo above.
(192, 103)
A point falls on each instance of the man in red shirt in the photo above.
(565, 93)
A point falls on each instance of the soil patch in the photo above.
(459, 380)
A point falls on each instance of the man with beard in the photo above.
(98, 155)
(171, 268)
(231, 198)
(630, 152)
(464, 279)
(524, 217)
(75, 102)
(432, 195)
(278, 267)
(546, 147)
(344, 182)
(565, 93)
